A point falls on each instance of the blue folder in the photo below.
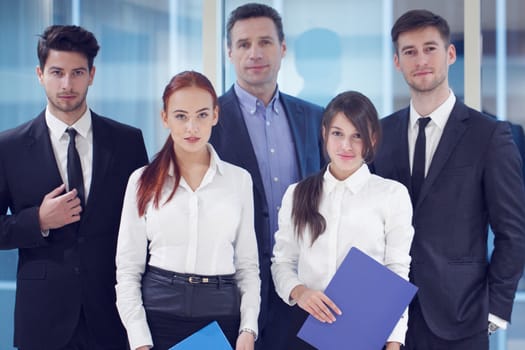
(372, 299)
(209, 337)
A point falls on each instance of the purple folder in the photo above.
(372, 299)
(209, 337)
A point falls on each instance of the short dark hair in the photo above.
(67, 38)
(254, 10)
(419, 19)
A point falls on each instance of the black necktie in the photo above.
(418, 167)
(74, 168)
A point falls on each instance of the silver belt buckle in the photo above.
(194, 279)
(197, 279)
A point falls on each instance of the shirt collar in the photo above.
(439, 116)
(216, 164)
(249, 102)
(354, 182)
(58, 127)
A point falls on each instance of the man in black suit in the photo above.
(274, 136)
(63, 177)
(463, 172)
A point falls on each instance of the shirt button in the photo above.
(76, 270)
(278, 207)
(267, 123)
(272, 150)
(276, 179)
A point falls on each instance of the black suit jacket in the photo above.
(231, 140)
(474, 180)
(519, 138)
(74, 266)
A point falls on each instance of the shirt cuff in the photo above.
(399, 332)
(501, 323)
(288, 291)
(139, 335)
(249, 320)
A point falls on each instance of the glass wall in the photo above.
(333, 46)
(503, 65)
(143, 43)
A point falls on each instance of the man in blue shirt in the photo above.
(274, 136)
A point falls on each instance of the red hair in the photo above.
(154, 176)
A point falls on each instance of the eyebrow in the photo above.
(431, 42)
(264, 37)
(197, 111)
(339, 128)
(427, 43)
(60, 68)
(242, 40)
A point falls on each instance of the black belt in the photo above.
(192, 278)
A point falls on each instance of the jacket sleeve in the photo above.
(505, 197)
(21, 229)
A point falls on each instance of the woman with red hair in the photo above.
(187, 253)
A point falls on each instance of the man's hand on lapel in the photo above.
(59, 209)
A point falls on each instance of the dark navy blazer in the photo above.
(75, 265)
(231, 140)
(474, 180)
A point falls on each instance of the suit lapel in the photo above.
(454, 129)
(103, 150)
(42, 157)
(296, 119)
(41, 151)
(234, 124)
(400, 151)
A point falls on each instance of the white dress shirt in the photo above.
(84, 143)
(433, 131)
(364, 211)
(209, 231)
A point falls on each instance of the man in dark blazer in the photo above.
(274, 136)
(66, 237)
(470, 177)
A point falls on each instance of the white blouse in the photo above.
(364, 211)
(209, 231)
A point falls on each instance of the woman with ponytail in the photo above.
(342, 206)
(186, 252)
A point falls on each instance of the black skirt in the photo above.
(177, 305)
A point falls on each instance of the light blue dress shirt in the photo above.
(274, 148)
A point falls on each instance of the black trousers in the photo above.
(275, 332)
(176, 308)
(82, 338)
(295, 317)
(420, 337)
